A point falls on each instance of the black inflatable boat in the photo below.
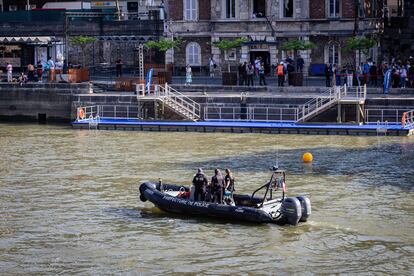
(253, 208)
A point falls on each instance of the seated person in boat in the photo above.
(200, 182)
(217, 186)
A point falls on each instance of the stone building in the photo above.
(268, 24)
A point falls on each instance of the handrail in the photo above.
(318, 102)
(408, 119)
(181, 100)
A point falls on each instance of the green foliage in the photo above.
(298, 45)
(82, 41)
(226, 44)
(360, 43)
(164, 45)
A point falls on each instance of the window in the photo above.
(259, 8)
(230, 8)
(287, 8)
(193, 54)
(190, 9)
(334, 8)
(333, 56)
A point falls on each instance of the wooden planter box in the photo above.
(78, 75)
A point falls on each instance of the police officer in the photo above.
(217, 186)
(229, 181)
(200, 182)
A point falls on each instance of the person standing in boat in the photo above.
(217, 185)
(200, 182)
(229, 181)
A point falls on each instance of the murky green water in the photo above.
(69, 204)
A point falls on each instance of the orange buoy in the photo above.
(404, 119)
(307, 157)
(81, 113)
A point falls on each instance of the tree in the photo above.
(360, 44)
(82, 42)
(163, 45)
(297, 45)
(226, 45)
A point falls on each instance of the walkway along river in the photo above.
(69, 203)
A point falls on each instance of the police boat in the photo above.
(260, 207)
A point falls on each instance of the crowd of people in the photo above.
(33, 73)
(218, 190)
(401, 74)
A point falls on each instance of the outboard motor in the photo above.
(306, 207)
(292, 210)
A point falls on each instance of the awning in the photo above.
(27, 39)
(126, 38)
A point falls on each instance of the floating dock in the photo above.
(244, 127)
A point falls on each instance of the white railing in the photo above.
(332, 95)
(265, 113)
(316, 104)
(407, 119)
(98, 112)
(86, 112)
(382, 115)
(356, 93)
(181, 103)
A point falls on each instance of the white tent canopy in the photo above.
(27, 39)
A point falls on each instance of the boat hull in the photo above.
(154, 192)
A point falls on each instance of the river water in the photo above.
(69, 203)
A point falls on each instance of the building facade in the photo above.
(268, 24)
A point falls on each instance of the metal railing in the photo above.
(265, 113)
(176, 100)
(314, 105)
(107, 111)
(331, 96)
(86, 112)
(407, 120)
(382, 115)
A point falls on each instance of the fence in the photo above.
(108, 111)
(224, 112)
(392, 115)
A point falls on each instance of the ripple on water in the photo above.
(69, 204)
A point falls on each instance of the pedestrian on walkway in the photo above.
(373, 74)
(262, 80)
(280, 71)
(9, 69)
(118, 67)
(242, 73)
(188, 75)
(249, 74)
(299, 64)
(328, 72)
(212, 67)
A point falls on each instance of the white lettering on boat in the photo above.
(201, 204)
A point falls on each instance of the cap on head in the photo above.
(200, 170)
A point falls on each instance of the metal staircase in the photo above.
(333, 96)
(180, 103)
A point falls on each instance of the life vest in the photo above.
(280, 70)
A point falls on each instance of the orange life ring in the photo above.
(81, 113)
(404, 119)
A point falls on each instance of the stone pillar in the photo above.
(244, 10)
(169, 56)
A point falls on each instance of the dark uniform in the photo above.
(217, 187)
(229, 179)
(200, 182)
